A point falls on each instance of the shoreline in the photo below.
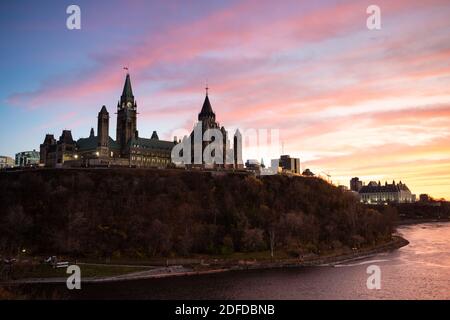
(408, 222)
(179, 271)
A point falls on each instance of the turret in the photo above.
(103, 132)
(154, 136)
(207, 114)
(44, 148)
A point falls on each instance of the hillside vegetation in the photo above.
(155, 213)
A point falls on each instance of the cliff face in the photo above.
(162, 212)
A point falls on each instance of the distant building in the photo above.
(308, 173)
(356, 184)
(288, 164)
(375, 192)
(27, 158)
(424, 197)
(253, 165)
(274, 167)
(6, 162)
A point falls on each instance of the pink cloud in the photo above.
(282, 69)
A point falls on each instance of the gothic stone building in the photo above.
(54, 153)
(128, 149)
(230, 157)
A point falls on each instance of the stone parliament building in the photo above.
(128, 148)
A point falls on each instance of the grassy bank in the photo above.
(203, 265)
(44, 271)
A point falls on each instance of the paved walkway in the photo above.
(155, 272)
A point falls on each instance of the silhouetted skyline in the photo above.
(353, 102)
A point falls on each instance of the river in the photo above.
(420, 270)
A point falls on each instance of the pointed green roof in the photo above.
(154, 135)
(151, 143)
(103, 110)
(91, 143)
(127, 93)
(206, 109)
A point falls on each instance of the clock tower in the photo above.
(126, 116)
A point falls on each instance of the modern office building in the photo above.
(286, 164)
(27, 159)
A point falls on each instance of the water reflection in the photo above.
(419, 271)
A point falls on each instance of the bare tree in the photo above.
(272, 241)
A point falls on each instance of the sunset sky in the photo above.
(346, 100)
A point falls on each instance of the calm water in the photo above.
(420, 270)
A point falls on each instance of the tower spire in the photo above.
(206, 111)
(127, 93)
(126, 116)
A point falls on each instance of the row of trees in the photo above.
(162, 213)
